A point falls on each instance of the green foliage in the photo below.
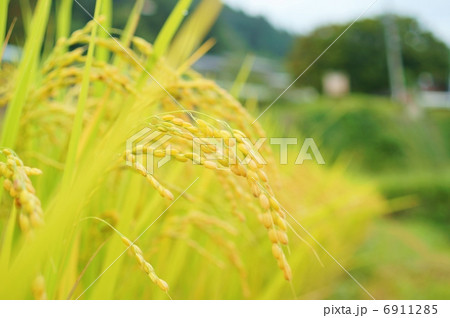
(361, 52)
(373, 137)
(442, 119)
(372, 133)
(430, 191)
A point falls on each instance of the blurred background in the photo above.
(377, 103)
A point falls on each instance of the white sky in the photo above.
(301, 16)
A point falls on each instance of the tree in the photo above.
(361, 53)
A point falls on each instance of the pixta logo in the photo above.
(152, 149)
(143, 145)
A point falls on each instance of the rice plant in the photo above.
(78, 205)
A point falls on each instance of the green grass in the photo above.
(412, 262)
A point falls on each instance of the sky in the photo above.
(301, 16)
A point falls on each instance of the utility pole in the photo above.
(448, 88)
(394, 59)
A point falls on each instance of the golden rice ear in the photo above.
(145, 266)
(139, 168)
(19, 186)
(178, 129)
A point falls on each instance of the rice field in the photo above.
(83, 215)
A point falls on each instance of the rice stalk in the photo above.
(193, 31)
(242, 76)
(3, 19)
(25, 73)
(63, 18)
(167, 32)
(81, 105)
(25, 9)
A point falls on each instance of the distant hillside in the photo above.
(237, 31)
(234, 31)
